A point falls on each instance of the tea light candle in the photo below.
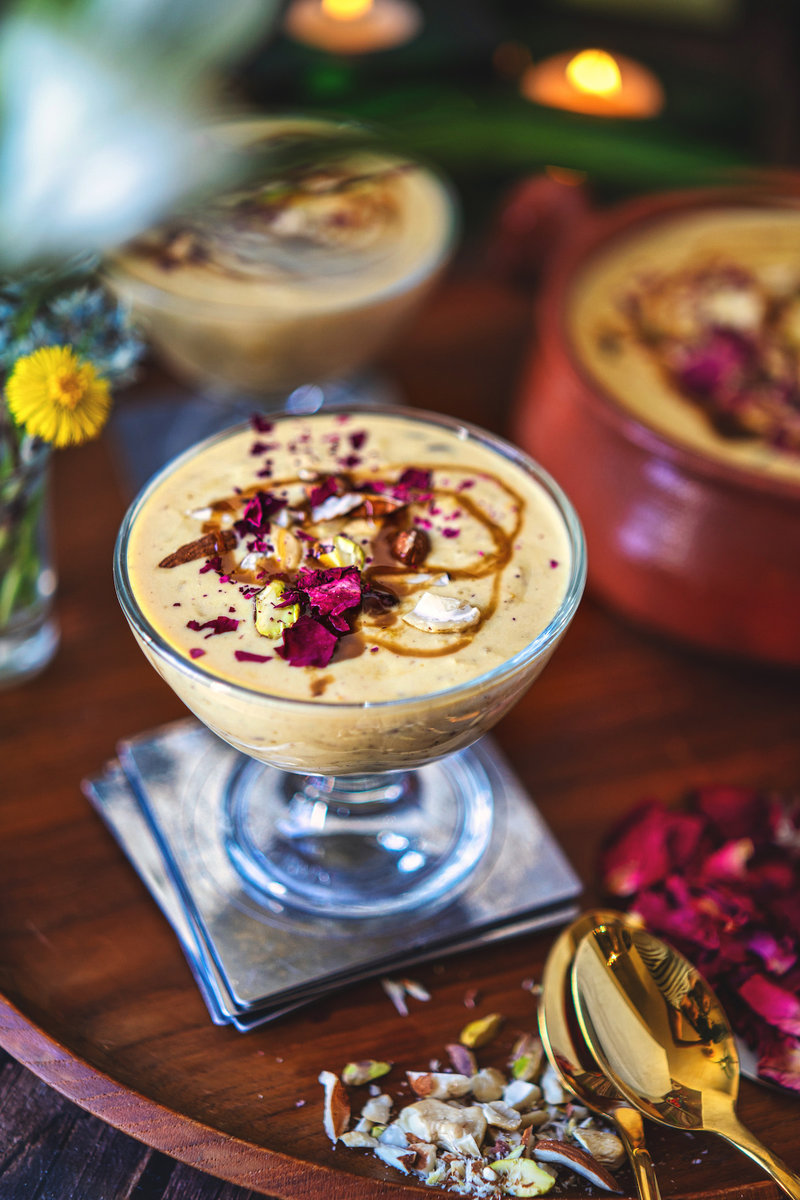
(596, 83)
(352, 26)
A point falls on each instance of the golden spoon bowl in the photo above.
(660, 1034)
(590, 1086)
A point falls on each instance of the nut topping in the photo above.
(356, 1073)
(216, 542)
(439, 1085)
(410, 546)
(522, 1177)
(603, 1146)
(481, 1131)
(336, 1112)
(462, 1059)
(480, 1033)
(577, 1160)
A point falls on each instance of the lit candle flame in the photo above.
(594, 72)
(346, 10)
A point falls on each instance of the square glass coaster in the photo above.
(256, 958)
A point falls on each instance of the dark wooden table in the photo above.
(89, 970)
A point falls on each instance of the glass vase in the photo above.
(28, 629)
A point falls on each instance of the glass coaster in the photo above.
(256, 960)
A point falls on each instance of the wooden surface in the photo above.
(99, 1002)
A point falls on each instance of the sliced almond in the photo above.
(336, 1111)
(500, 1115)
(533, 1118)
(577, 1160)
(396, 1156)
(416, 989)
(522, 1095)
(552, 1088)
(378, 1109)
(461, 1130)
(216, 542)
(336, 506)
(424, 1157)
(605, 1147)
(488, 1084)
(439, 1085)
(355, 1139)
(393, 1135)
(374, 506)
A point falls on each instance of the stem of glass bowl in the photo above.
(363, 845)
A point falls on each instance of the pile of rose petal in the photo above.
(720, 879)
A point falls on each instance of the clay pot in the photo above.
(690, 546)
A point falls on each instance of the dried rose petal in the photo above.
(781, 1063)
(730, 861)
(731, 904)
(778, 956)
(307, 643)
(333, 591)
(217, 625)
(780, 1007)
(736, 812)
(647, 845)
(248, 656)
(257, 513)
(415, 478)
(261, 424)
(719, 364)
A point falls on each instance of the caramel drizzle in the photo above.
(493, 563)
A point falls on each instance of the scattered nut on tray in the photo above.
(472, 1129)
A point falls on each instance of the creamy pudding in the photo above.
(692, 324)
(298, 277)
(350, 591)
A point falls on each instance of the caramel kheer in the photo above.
(427, 558)
(692, 323)
(300, 275)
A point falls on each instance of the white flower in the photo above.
(100, 105)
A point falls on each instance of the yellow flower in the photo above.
(56, 397)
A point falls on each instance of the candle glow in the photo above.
(594, 71)
(346, 10)
(595, 83)
(352, 26)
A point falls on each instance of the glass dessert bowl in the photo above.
(352, 623)
(297, 278)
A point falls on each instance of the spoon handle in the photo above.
(744, 1140)
(631, 1132)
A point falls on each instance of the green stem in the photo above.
(22, 546)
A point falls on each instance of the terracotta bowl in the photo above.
(685, 544)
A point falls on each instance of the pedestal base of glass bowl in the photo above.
(359, 846)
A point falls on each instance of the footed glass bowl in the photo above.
(360, 808)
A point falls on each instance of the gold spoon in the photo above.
(660, 1034)
(591, 1087)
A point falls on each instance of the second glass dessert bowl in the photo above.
(297, 279)
(370, 806)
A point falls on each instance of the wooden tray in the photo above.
(96, 998)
